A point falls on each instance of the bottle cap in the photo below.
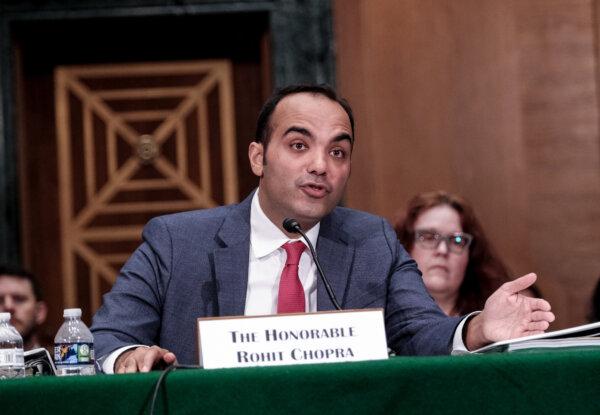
(72, 312)
(4, 316)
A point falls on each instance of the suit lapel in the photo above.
(231, 260)
(335, 254)
(334, 249)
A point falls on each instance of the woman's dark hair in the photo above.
(485, 271)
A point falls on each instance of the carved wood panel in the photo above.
(135, 141)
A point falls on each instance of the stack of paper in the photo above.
(585, 336)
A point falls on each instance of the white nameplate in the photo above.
(287, 339)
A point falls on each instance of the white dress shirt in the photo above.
(267, 259)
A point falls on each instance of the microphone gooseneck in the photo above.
(292, 226)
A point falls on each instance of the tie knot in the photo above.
(294, 251)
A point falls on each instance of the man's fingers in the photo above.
(538, 326)
(130, 364)
(122, 360)
(170, 358)
(519, 284)
(543, 316)
(155, 355)
(539, 304)
(143, 359)
(151, 356)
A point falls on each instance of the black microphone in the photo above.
(292, 226)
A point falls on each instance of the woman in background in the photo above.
(460, 268)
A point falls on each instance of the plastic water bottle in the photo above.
(12, 363)
(74, 346)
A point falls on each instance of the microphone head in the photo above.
(291, 225)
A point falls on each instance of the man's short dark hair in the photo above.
(263, 126)
(17, 272)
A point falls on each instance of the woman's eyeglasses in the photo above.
(456, 242)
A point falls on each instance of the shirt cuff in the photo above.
(458, 345)
(108, 365)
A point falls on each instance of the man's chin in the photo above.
(313, 213)
(24, 330)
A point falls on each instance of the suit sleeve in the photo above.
(131, 311)
(415, 325)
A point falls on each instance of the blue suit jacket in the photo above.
(195, 264)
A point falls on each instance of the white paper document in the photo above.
(587, 335)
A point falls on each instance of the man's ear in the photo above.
(257, 157)
(41, 311)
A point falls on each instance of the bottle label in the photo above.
(73, 353)
(11, 357)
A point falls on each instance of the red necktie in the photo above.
(291, 293)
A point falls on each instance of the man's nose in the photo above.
(7, 304)
(318, 164)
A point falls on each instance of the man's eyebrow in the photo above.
(300, 130)
(342, 137)
(307, 133)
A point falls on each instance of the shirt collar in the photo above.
(265, 237)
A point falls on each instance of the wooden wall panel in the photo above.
(437, 110)
(43, 45)
(459, 95)
(558, 73)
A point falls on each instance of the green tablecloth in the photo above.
(554, 382)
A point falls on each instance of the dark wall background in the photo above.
(270, 43)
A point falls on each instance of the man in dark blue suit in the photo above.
(227, 261)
